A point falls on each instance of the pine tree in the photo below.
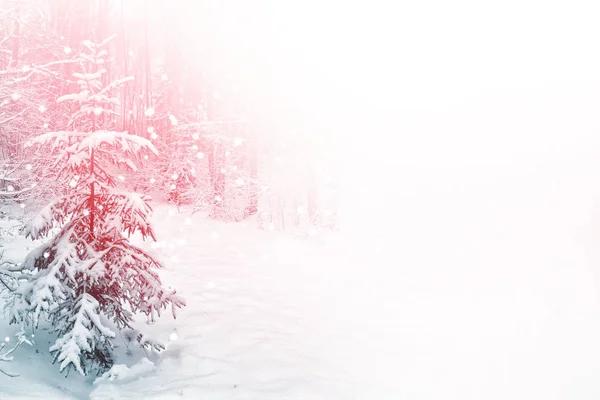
(88, 278)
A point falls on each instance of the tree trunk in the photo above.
(92, 205)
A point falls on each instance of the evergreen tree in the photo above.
(88, 278)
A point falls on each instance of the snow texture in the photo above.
(122, 373)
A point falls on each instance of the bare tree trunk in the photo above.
(92, 204)
(217, 179)
(252, 154)
(15, 55)
(173, 67)
(312, 198)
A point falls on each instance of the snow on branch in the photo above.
(13, 116)
(81, 336)
(107, 40)
(6, 13)
(59, 138)
(80, 97)
(127, 143)
(34, 69)
(6, 355)
(44, 220)
(88, 76)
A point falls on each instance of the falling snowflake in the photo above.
(149, 112)
(164, 77)
(173, 186)
(15, 96)
(238, 142)
(218, 198)
(173, 336)
(46, 126)
(200, 155)
(46, 254)
(174, 177)
(121, 178)
(239, 182)
(214, 235)
(98, 110)
(42, 108)
(86, 212)
(10, 188)
(173, 119)
(67, 49)
(195, 147)
(153, 136)
(28, 167)
(152, 180)
(195, 136)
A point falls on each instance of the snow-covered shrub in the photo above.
(89, 278)
(123, 373)
(6, 354)
(297, 192)
(174, 171)
(31, 62)
(224, 184)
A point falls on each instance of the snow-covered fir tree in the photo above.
(88, 280)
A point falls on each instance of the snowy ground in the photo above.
(482, 284)
(268, 316)
(460, 311)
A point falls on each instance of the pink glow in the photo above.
(336, 199)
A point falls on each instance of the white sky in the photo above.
(511, 73)
(384, 84)
(428, 54)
